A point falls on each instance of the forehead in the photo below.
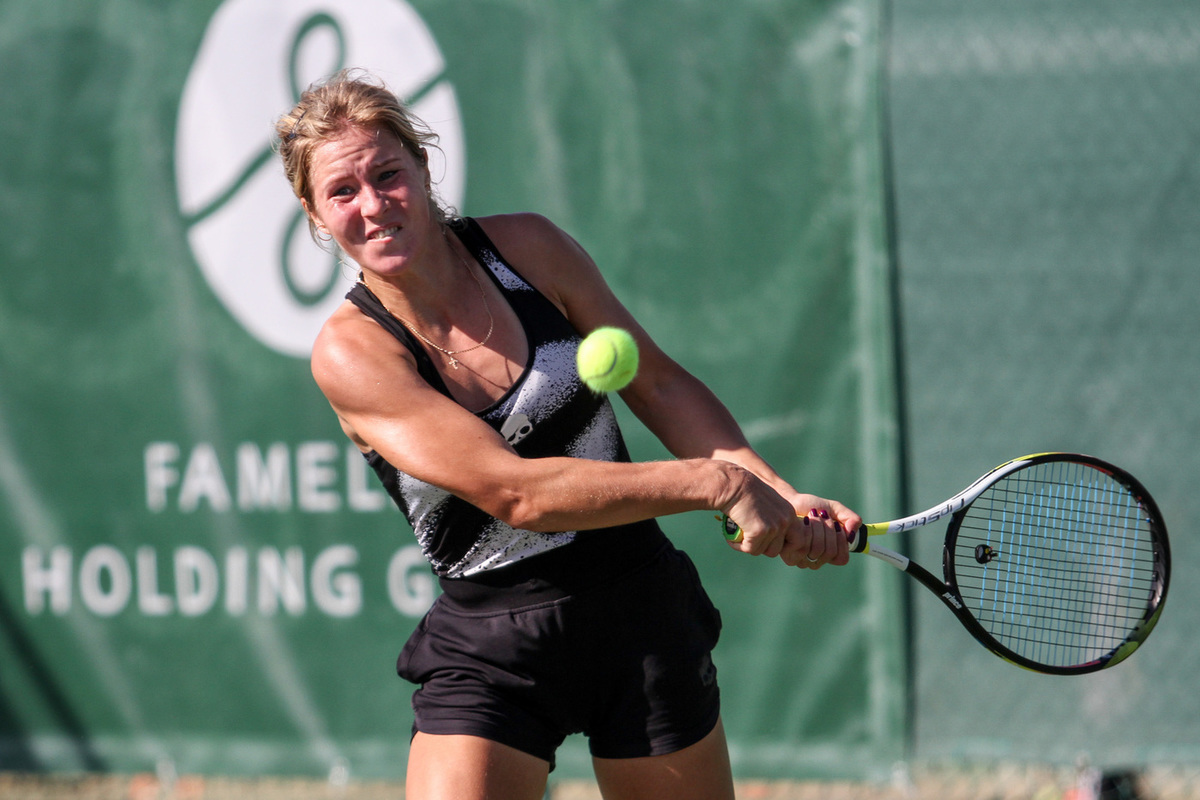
(354, 148)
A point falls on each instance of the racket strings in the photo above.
(1057, 562)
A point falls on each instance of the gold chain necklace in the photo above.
(450, 354)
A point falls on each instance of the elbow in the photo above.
(519, 510)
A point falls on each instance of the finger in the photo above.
(849, 519)
(745, 544)
(797, 543)
(829, 544)
(757, 543)
(818, 545)
(842, 556)
(775, 546)
(798, 548)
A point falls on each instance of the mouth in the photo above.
(384, 233)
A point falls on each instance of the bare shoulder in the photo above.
(542, 252)
(352, 353)
(522, 231)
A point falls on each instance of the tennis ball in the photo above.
(607, 359)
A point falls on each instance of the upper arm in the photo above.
(371, 381)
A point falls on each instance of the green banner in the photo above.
(196, 568)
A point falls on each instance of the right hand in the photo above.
(773, 526)
(767, 521)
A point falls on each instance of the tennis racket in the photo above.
(1057, 562)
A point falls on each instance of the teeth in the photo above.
(385, 232)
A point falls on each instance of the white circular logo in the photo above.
(246, 228)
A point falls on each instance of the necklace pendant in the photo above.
(453, 362)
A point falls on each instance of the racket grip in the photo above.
(858, 539)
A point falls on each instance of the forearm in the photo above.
(552, 494)
(691, 422)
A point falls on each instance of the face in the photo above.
(371, 193)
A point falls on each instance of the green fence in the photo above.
(1047, 184)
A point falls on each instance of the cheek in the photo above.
(340, 218)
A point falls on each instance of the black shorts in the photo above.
(627, 663)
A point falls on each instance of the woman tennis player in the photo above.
(564, 608)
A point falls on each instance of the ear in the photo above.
(312, 218)
(315, 227)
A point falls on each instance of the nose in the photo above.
(373, 201)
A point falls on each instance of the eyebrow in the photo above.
(343, 175)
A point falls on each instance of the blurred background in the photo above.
(904, 240)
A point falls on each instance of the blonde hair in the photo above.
(349, 99)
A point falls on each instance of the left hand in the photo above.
(821, 535)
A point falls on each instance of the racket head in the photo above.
(1062, 565)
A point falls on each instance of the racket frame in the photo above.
(947, 591)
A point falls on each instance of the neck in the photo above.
(433, 293)
(460, 322)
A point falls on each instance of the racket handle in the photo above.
(733, 533)
(858, 539)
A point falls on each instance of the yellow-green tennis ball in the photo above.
(607, 359)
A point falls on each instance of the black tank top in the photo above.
(547, 412)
